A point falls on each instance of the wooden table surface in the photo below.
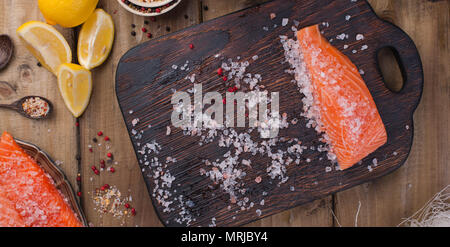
(383, 202)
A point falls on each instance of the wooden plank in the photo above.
(104, 115)
(385, 201)
(23, 77)
(317, 213)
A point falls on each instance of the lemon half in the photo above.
(46, 44)
(96, 39)
(67, 13)
(75, 85)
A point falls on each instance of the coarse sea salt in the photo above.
(284, 22)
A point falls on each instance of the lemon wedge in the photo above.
(46, 44)
(75, 85)
(96, 39)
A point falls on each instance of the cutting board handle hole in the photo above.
(391, 68)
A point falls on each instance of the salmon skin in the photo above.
(348, 114)
(28, 196)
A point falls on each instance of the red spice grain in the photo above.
(107, 138)
(225, 78)
(109, 155)
(97, 172)
(133, 211)
(79, 193)
(100, 133)
(127, 205)
(220, 71)
(158, 10)
(112, 170)
(191, 46)
(144, 29)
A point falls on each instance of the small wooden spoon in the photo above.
(17, 106)
(6, 50)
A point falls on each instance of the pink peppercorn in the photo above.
(100, 133)
(97, 172)
(144, 29)
(149, 35)
(109, 155)
(225, 78)
(220, 71)
(133, 211)
(112, 170)
(158, 10)
(79, 193)
(127, 205)
(191, 46)
(107, 138)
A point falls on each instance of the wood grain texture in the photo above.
(386, 201)
(104, 115)
(383, 201)
(148, 94)
(23, 77)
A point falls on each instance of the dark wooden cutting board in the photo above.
(145, 81)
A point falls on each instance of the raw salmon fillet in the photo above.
(348, 114)
(27, 191)
(9, 217)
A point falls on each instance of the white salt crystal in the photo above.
(258, 212)
(284, 22)
(359, 37)
(135, 121)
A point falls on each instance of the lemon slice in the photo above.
(96, 39)
(46, 44)
(75, 85)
